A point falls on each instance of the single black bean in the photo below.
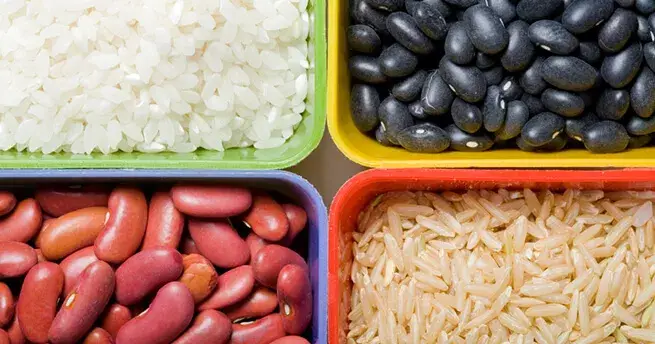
(363, 39)
(516, 117)
(436, 96)
(494, 109)
(642, 94)
(575, 126)
(466, 116)
(405, 31)
(465, 142)
(590, 52)
(366, 69)
(381, 136)
(605, 137)
(639, 141)
(620, 69)
(640, 126)
(520, 51)
(462, 3)
(651, 22)
(645, 6)
(484, 61)
(616, 32)
(531, 80)
(649, 55)
(542, 128)
(486, 30)
(552, 37)
(441, 6)
(424, 138)
(395, 117)
(625, 3)
(613, 104)
(364, 104)
(430, 21)
(569, 73)
(534, 104)
(409, 89)
(417, 111)
(505, 9)
(510, 89)
(494, 75)
(533, 10)
(396, 61)
(562, 103)
(387, 5)
(458, 47)
(363, 13)
(643, 30)
(583, 15)
(467, 82)
(556, 144)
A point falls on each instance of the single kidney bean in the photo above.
(233, 286)
(270, 260)
(145, 272)
(98, 336)
(126, 226)
(291, 340)
(23, 223)
(16, 258)
(37, 303)
(199, 276)
(7, 202)
(211, 200)
(255, 243)
(74, 265)
(219, 242)
(209, 327)
(72, 232)
(261, 331)
(58, 201)
(83, 305)
(15, 333)
(4, 337)
(165, 223)
(114, 318)
(261, 302)
(297, 220)
(6, 305)
(266, 218)
(188, 246)
(169, 314)
(294, 293)
(46, 222)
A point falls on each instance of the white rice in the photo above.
(86, 76)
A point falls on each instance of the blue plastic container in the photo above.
(286, 183)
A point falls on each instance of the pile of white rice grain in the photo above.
(151, 75)
(504, 267)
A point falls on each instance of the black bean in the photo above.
(364, 103)
(639, 141)
(569, 73)
(405, 31)
(424, 138)
(531, 80)
(458, 47)
(505, 9)
(436, 96)
(643, 29)
(583, 15)
(462, 3)
(534, 104)
(575, 126)
(542, 128)
(511, 89)
(494, 109)
(397, 62)
(590, 52)
(387, 5)
(645, 6)
(552, 37)
(625, 3)
(649, 55)
(640, 126)
(365, 14)
(620, 69)
(616, 32)
(605, 137)
(441, 6)
(517, 115)
(494, 75)
(562, 103)
(642, 94)
(465, 142)
(533, 10)
(520, 51)
(381, 136)
(466, 116)
(467, 82)
(486, 30)
(613, 104)
(556, 144)
(524, 146)
(395, 117)
(409, 89)
(366, 69)
(430, 21)
(363, 39)
(484, 61)
(651, 22)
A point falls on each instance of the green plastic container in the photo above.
(304, 141)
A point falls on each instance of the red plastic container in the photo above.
(355, 194)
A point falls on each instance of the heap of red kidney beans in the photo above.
(196, 264)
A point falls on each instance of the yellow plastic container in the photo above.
(366, 151)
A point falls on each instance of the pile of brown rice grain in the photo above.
(504, 267)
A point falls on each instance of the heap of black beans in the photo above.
(472, 74)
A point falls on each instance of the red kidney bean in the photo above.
(165, 223)
(72, 232)
(59, 200)
(261, 331)
(291, 340)
(211, 201)
(294, 293)
(233, 286)
(255, 243)
(188, 246)
(199, 276)
(7, 202)
(266, 218)
(145, 272)
(16, 258)
(83, 305)
(23, 223)
(297, 221)
(98, 336)
(37, 303)
(209, 327)
(74, 265)
(270, 260)
(44, 226)
(6, 305)
(126, 226)
(4, 337)
(261, 302)
(169, 314)
(114, 318)
(15, 333)
(219, 242)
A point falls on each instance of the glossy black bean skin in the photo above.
(605, 137)
(645, 6)
(510, 89)
(504, 9)
(462, 3)
(424, 138)
(639, 141)
(466, 116)
(625, 3)
(534, 104)
(649, 55)
(436, 96)
(616, 32)
(562, 103)
(542, 128)
(387, 5)
(484, 61)
(575, 126)
(569, 73)
(430, 21)
(494, 109)
(364, 103)
(467, 82)
(520, 51)
(363, 39)
(643, 29)
(395, 117)
(405, 31)
(364, 13)
(583, 15)
(590, 52)
(524, 146)
(381, 136)
(465, 142)
(486, 30)
(531, 80)
(533, 10)
(366, 69)
(417, 111)
(613, 104)
(396, 61)
(554, 145)
(552, 37)
(620, 69)
(517, 115)
(642, 94)
(440, 5)
(458, 46)
(640, 126)
(493, 76)
(410, 88)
